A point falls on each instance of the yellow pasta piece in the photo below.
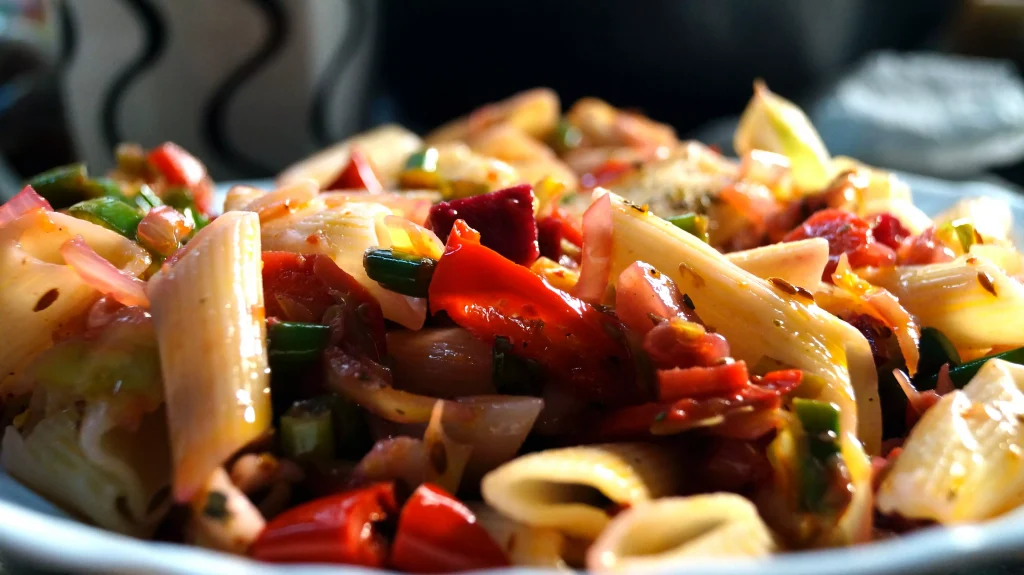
(525, 545)
(668, 532)
(991, 217)
(209, 318)
(800, 263)
(964, 460)
(39, 294)
(387, 147)
(568, 489)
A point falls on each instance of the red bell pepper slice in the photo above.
(438, 534)
(491, 296)
(181, 168)
(693, 382)
(340, 528)
(358, 174)
(302, 287)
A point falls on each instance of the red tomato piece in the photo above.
(889, 230)
(491, 296)
(358, 174)
(846, 234)
(438, 534)
(694, 382)
(178, 167)
(340, 528)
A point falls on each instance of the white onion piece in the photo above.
(495, 426)
(413, 206)
(26, 200)
(403, 235)
(102, 275)
(595, 267)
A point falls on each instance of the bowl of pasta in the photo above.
(527, 341)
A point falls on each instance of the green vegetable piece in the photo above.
(110, 213)
(694, 224)
(511, 374)
(965, 372)
(307, 431)
(181, 200)
(820, 420)
(63, 186)
(296, 342)
(425, 161)
(216, 506)
(935, 350)
(964, 232)
(399, 272)
(566, 137)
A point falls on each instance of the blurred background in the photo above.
(930, 86)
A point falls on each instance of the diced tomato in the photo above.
(693, 382)
(358, 174)
(438, 534)
(924, 249)
(888, 230)
(181, 168)
(342, 528)
(846, 234)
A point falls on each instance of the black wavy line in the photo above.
(343, 55)
(68, 36)
(155, 36)
(277, 22)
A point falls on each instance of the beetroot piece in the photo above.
(504, 219)
(549, 238)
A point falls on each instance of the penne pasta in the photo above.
(387, 148)
(991, 217)
(39, 294)
(971, 300)
(659, 534)
(962, 461)
(344, 233)
(800, 263)
(238, 197)
(569, 489)
(208, 313)
(222, 517)
(762, 320)
(525, 546)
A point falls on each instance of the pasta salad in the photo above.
(528, 338)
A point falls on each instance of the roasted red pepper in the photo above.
(557, 226)
(358, 174)
(341, 528)
(438, 534)
(846, 234)
(504, 219)
(491, 296)
(605, 174)
(718, 380)
(301, 288)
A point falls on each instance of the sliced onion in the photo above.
(597, 251)
(495, 426)
(643, 294)
(25, 201)
(886, 307)
(441, 362)
(920, 401)
(406, 236)
(162, 230)
(284, 200)
(370, 386)
(102, 275)
(413, 206)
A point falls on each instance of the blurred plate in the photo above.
(36, 532)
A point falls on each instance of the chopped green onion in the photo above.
(964, 232)
(420, 171)
(399, 272)
(146, 199)
(425, 161)
(351, 431)
(109, 212)
(820, 420)
(935, 350)
(511, 374)
(62, 186)
(296, 342)
(566, 137)
(693, 224)
(307, 431)
(962, 374)
(216, 506)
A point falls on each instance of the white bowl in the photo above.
(36, 532)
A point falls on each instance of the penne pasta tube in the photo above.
(525, 545)
(39, 294)
(768, 319)
(387, 148)
(570, 489)
(991, 217)
(208, 312)
(222, 517)
(344, 233)
(962, 461)
(970, 299)
(666, 532)
(238, 197)
(800, 263)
